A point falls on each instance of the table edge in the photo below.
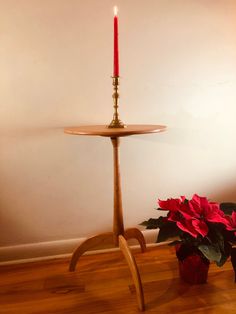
(116, 132)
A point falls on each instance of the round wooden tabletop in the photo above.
(103, 130)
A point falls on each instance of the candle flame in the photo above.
(115, 10)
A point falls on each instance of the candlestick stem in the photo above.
(116, 122)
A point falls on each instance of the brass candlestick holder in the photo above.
(116, 122)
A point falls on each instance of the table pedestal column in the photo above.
(118, 225)
(119, 236)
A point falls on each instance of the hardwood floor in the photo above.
(102, 284)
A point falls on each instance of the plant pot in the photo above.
(233, 261)
(193, 266)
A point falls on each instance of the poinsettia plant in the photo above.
(198, 224)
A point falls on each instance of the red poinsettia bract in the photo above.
(192, 216)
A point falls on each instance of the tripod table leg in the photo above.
(89, 244)
(134, 271)
(135, 233)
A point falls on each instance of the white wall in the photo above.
(178, 67)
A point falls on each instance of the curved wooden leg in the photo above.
(135, 233)
(134, 271)
(89, 244)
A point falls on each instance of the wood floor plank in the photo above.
(102, 284)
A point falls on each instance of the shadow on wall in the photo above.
(15, 227)
(226, 194)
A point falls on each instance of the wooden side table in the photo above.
(119, 235)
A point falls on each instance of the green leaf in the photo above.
(152, 223)
(168, 230)
(210, 252)
(225, 254)
(228, 207)
(222, 260)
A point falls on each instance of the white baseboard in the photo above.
(54, 249)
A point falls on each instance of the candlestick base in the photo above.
(116, 122)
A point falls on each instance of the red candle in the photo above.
(116, 48)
